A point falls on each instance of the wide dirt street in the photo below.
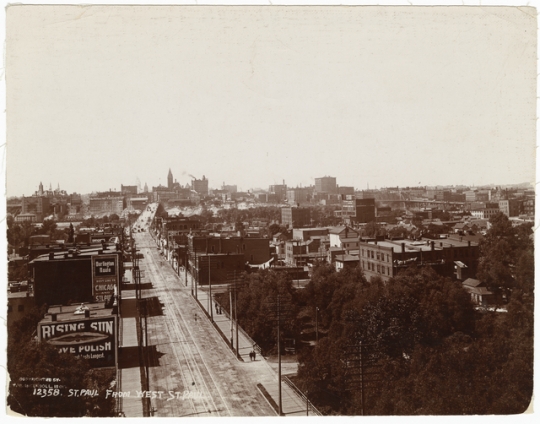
(189, 362)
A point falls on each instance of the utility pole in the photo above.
(197, 273)
(317, 324)
(186, 257)
(279, 311)
(210, 284)
(231, 315)
(279, 353)
(361, 363)
(236, 315)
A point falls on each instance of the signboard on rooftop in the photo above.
(104, 276)
(93, 339)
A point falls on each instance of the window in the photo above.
(382, 269)
(378, 268)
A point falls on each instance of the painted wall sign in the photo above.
(104, 276)
(92, 338)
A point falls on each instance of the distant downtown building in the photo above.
(279, 190)
(360, 211)
(111, 202)
(200, 186)
(35, 205)
(326, 185)
(295, 217)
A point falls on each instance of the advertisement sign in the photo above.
(93, 339)
(104, 276)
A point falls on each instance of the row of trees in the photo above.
(18, 234)
(425, 348)
(428, 350)
(374, 229)
(256, 306)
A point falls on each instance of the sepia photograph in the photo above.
(270, 210)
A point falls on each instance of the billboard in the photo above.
(104, 276)
(94, 339)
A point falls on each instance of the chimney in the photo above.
(87, 313)
(53, 317)
(468, 243)
(51, 256)
(433, 245)
(402, 247)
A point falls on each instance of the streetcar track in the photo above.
(182, 371)
(189, 355)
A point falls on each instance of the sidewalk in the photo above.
(129, 361)
(292, 403)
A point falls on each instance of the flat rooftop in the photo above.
(83, 253)
(67, 313)
(422, 245)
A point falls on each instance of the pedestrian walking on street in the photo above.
(251, 355)
(254, 356)
(217, 310)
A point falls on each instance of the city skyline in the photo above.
(49, 186)
(385, 97)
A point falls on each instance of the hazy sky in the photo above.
(98, 96)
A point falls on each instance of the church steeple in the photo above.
(170, 180)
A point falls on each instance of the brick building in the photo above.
(511, 207)
(485, 213)
(386, 258)
(299, 195)
(299, 252)
(65, 277)
(254, 250)
(280, 191)
(110, 202)
(360, 211)
(295, 216)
